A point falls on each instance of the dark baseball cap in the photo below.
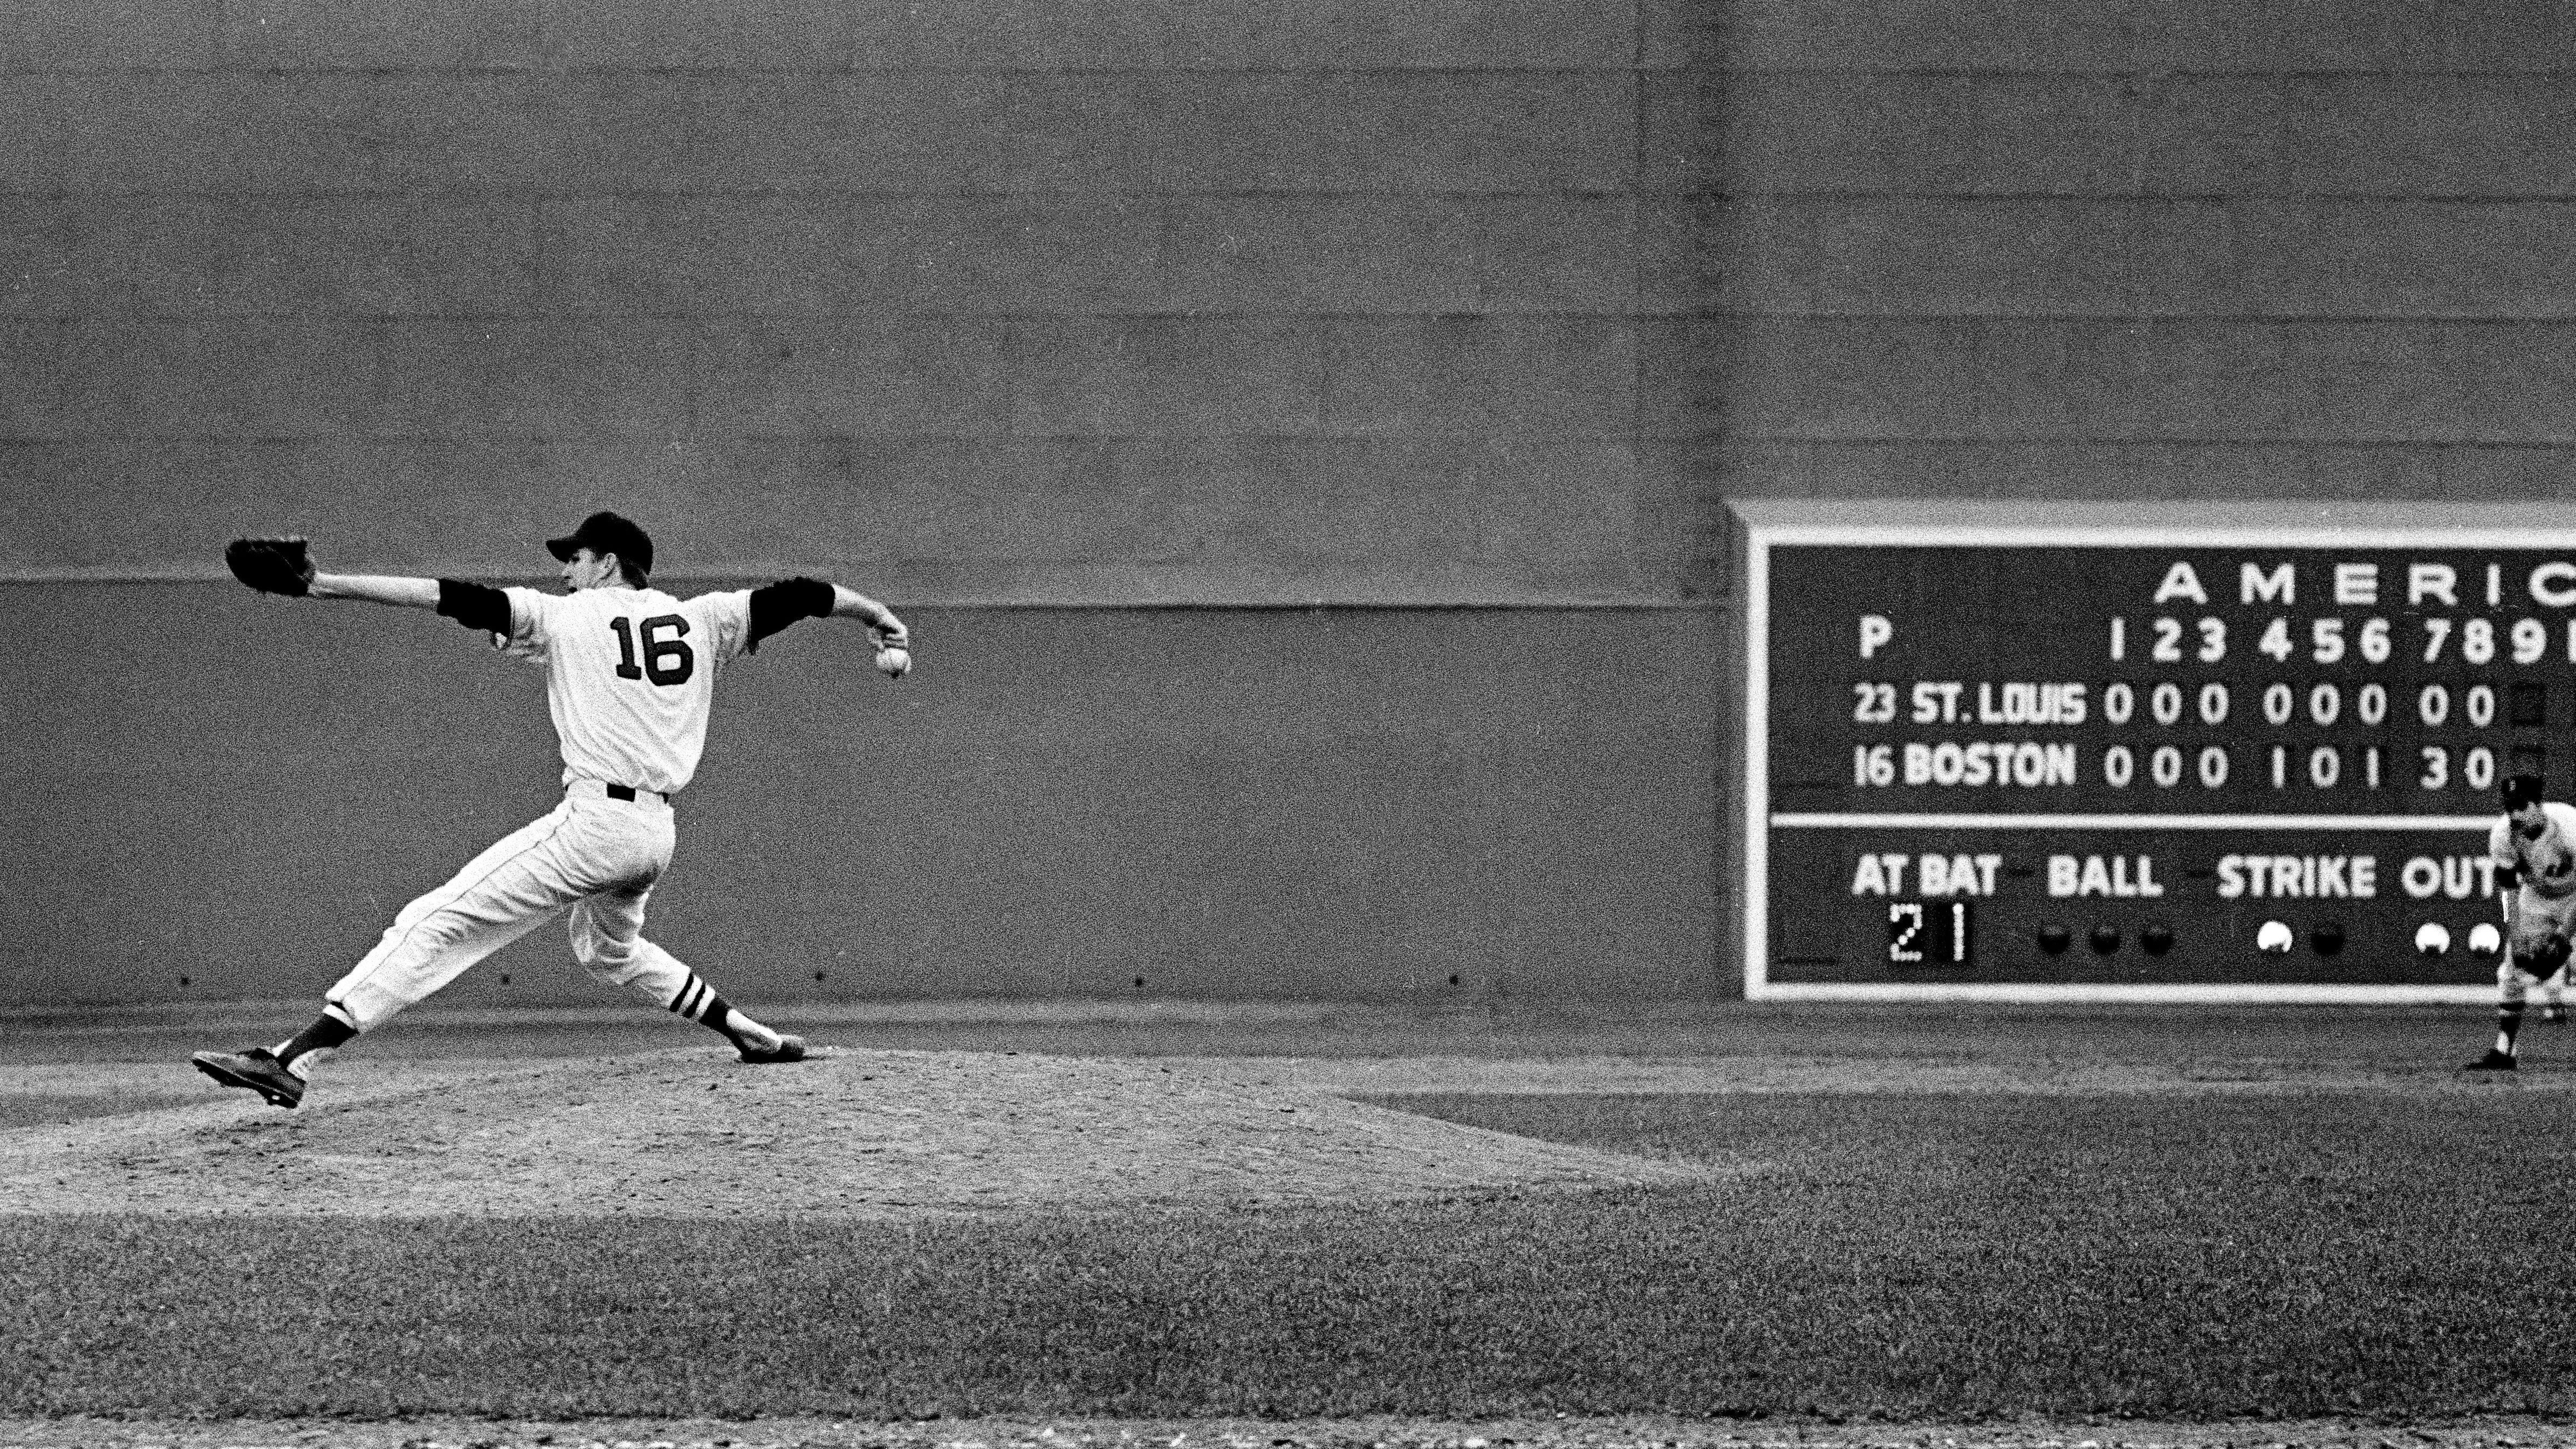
(606, 532)
(2521, 790)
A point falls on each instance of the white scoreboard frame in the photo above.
(1961, 522)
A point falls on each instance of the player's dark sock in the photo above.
(720, 1019)
(699, 1003)
(326, 1032)
(2508, 1026)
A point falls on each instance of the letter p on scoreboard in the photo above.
(2072, 751)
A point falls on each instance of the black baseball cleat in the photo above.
(789, 1049)
(2554, 1015)
(256, 1068)
(2493, 1061)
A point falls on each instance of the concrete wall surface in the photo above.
(233, 795)
(1110, 301)
(990, 307)
(2161, 249)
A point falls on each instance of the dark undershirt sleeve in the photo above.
(775, 606)
(476, 606)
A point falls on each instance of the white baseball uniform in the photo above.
(630, 679)
(2545, 863)
(2544, 902)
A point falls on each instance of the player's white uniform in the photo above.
(630, 678)
(2544, 904)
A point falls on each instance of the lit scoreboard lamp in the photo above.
(2177, 752)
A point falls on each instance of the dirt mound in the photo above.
(687, 1133)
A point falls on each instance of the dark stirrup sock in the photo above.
(327, 1031)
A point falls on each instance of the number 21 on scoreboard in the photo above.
(1935, 934)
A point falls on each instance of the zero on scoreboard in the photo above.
(2182, 752)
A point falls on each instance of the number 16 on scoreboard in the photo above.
(1927, 934)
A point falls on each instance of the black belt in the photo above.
(627, 792)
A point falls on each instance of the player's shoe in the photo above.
(2493, 1061)
(2554, 1015)
(256, 1068)
(789, 1049)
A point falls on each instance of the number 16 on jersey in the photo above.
(666, 659)
(1927, 933)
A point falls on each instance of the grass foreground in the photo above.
(2369, 1254)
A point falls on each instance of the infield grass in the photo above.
(2187, 1257)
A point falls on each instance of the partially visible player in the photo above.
(630, 677)
(2534, 850)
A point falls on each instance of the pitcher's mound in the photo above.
(688, 1133)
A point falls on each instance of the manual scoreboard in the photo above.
(2097, 751)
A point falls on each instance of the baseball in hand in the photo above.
(894, 660)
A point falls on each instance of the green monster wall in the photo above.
(1107, 339)
(1112, 337)
(1221, 803)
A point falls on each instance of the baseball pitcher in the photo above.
(630, 674)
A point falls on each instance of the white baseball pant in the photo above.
(2536, 918)
(596, 855)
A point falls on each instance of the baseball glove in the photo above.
(271, 565)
